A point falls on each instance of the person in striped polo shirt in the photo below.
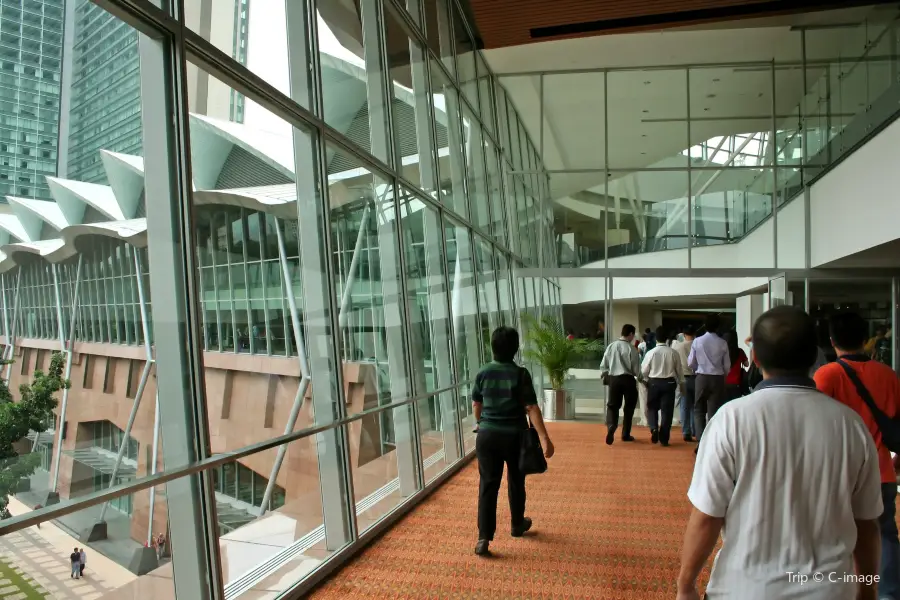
(502, 396)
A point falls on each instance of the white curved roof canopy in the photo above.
(73, 196)
(133, 231)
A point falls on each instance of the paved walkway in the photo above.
(43, 556)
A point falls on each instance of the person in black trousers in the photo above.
(502, 396)
(621, 366)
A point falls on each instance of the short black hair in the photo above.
(712, 323)
(848, 331)
(882, 329)
(504, 344)
(627, 330)
(784, 341)
(662, 334)
(647, 330)
(689, 329)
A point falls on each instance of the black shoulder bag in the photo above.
(889, 426)
(531, 453)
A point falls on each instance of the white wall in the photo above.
(855, 206)
(592, 289)
(792, 235)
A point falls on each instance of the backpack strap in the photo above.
(863, 392)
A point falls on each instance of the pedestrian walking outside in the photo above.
(75, 559)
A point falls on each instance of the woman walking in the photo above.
(734, 380)
(502, 396)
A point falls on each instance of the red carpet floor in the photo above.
(608, 523)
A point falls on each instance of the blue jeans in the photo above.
(889, 584)
(687, 407)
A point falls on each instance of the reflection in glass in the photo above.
(428, 302)
(369, 292)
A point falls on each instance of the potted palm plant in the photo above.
(546, 343)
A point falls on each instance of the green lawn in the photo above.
(32, 591)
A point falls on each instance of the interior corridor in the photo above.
(608, 523)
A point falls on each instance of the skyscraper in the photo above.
(31, 34)
(105, 103)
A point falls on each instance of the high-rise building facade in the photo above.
(105, 91)
(31, 33)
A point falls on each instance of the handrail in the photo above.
(56, 511)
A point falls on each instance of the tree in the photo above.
(33, 412)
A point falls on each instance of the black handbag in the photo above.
(531, 453)
(889, 426)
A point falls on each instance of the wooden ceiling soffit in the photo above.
(502, 23)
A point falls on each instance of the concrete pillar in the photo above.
(622, 313)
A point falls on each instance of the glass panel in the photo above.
(465, 57)
(731, 205)
(450, 142)
(487, 292)
(485, 84)
(384, 468)
(439, 434)
(428, 302)
(463, 300)
(369, 294)
(413, 128)
(349, 55)
(294, 519)
(229, 28)
(575, 121)
(478, 199)
(648, 121)
(504, 291)
(651, 216)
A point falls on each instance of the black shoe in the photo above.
(521, 529)
(610, 436)
(654, 436)
(482, 548)
(665, 444)
(689, 438)
(627, 438)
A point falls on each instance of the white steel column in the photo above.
(154, 459)
(301, 357)
(11, 345)
(69, 349)
(354, 265)
(145, 374)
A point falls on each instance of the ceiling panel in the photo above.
(504, 23)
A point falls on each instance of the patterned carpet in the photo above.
(608, 524)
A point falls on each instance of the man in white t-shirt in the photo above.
(790, 478)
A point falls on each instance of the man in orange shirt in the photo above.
(848, 336)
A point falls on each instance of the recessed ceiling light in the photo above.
(646, 83)
(705, 110)
(716, 80)
(710, 95)
(643, 135)
(646, 111)
(643, 153)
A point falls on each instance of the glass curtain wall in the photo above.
(688, 160)
(347, 239)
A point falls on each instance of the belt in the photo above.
(662, 380)
(689, 376)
